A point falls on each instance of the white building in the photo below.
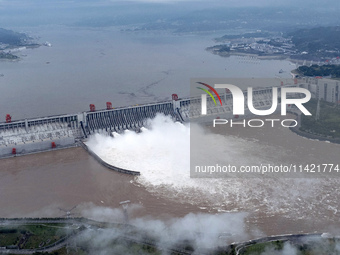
(322, 88)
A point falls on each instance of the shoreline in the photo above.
(262, 57)
(229, 247)
(314, 136)
(265, 57)
(307, 135)
(15, 56)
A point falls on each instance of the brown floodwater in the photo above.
(38, 185)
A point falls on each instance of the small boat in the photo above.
(281, 71)
(47, 44)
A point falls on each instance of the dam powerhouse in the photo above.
(27, 136)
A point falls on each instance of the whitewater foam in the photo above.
(161, 153)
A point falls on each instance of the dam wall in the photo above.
(61, 131)
(48, 133)
(39, 134)
(101, 161)
(190, 108)
(132, 117)
(36, 146)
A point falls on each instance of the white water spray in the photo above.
(161, 153)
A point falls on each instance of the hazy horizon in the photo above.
(172, 14)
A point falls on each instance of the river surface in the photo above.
(93, 66)
(86, 66)
(40, 184)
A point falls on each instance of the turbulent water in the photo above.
(162, 152)
(86, 66)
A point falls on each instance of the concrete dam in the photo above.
(61, 131)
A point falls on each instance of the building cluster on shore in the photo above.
(264, 46)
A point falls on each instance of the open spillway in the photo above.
(132, 118)
(47, 133)
(41, 134)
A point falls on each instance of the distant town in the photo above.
(322, 47)
(12, 43)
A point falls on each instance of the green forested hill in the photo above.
(12, 38)
(317, 41)
(315, 70)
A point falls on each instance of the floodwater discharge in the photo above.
(37, 185)
(125, 69)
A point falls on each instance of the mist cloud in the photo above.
(202, 231)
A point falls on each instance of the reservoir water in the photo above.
(86, 66)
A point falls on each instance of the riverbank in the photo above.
(237, 53)
(304, 134)
(32, 235)
(314, 136)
